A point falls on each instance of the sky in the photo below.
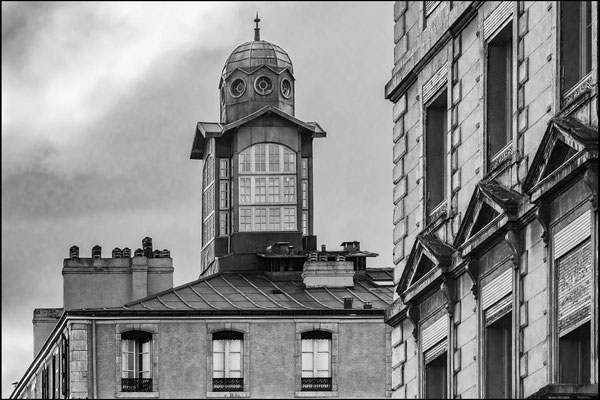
(99, 107)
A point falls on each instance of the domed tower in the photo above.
(255, 75)
(257, 171)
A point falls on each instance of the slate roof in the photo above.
(255, 291)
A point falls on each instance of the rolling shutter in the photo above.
(497, 18)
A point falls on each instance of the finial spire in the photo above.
(257, 29)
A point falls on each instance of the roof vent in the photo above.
(348, 302)
(276, 291)
(368, 305)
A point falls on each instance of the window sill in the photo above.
(227, 394)
(316, 394)
(137, 395)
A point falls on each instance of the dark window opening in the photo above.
(486, 215)
(435, 150)
(498, 358)
(561, 153)
(499, 90)
(575, 356)
(575, 41)
(425, 265)
(435, 378)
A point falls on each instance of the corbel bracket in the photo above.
(591, 179)
(447, 289)
(412, 315)
(512, 238)
(472, 270)
(542, 214)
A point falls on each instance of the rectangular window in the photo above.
(223, 168)
(274, 165)
(274, 190)
(498, 358)
(435, 150)
(304, 194)
(245, 190)
(289, 189)
(135, 355)
(274, 219)
(575, 42)
(245, 219)
(435, 378)
(304, 168)
(227, 365)
(499, 90)
(575, 356)
(289, 161)
(245, 161)
(224, 223)
(224, 195)
(260, 219)
(260, 158)
(305, 223)
(289, 218)
(260, 190)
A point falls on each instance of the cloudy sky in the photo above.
(99, 106)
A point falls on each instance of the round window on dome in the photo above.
(263, 85)
(238, 87)
(286, 88)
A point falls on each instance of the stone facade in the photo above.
(506, 214)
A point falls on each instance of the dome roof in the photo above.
(256, 53)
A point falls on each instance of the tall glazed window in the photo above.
(268, 188)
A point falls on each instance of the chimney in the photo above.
(348, 302)
(96, 251)
(116, 253)
(331, 274)
(323, 248)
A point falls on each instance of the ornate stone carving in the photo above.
(472, 270)
(447, 289)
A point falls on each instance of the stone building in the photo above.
(271, 315)
(496, 199)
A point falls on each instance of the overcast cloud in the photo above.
(99, 106)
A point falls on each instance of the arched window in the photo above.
(227, 361)
(316, 361)
(267, 188)
(136, 361)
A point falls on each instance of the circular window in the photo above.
(263, 85)
(286, 88)
(238, 87)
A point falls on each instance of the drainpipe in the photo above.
(94, 361)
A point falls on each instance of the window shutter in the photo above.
(497, 18)
(573, 234)
(434, 333)
(496, 289)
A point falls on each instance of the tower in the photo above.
(257, 170)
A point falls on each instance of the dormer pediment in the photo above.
(491, 207)
(427, 261)
(566, 146)
(205, 130)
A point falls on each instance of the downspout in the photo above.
(94, 361)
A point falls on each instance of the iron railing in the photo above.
(136, 384)
(228, 384)
(316, 384)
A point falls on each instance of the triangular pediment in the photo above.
(490, 203)
(428, 253)
(566, 141)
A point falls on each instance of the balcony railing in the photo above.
(316, 384)
(136, 384)
(228, 384)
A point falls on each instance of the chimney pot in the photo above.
(139, 253)
(126, 252)
(96, 251)
(156, 253)
(323, 248)
(166, 253)
(116, 253)
(74, 252)
(147, 246)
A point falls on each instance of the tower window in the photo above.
(305, 223)
(263, 85)
(224, 195)
(223, 168)
(289, 189)
(435, 150)
(260, 158)
(289, 218)
(499, 90)
(224, 223)
(238, 87)
(286, 88)
(304, 194)
(274, 190)
(575, 42)
(274, 219)
(274, 165)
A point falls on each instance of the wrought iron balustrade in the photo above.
(316, 384)
(228, 384)
(136, 384)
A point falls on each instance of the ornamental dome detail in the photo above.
(253, 54)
